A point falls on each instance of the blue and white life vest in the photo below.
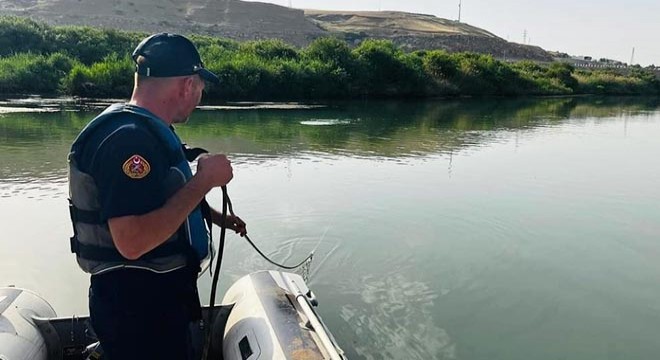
(92, 242)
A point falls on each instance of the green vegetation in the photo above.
(89, 62)
(32, 73)
(106, 78)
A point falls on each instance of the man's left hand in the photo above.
(235, 223)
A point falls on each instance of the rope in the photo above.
(216, 274)
(308, 258)
(227, 205)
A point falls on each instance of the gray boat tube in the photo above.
(273, 318)
(20, 338)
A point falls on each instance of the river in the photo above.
(449, 229)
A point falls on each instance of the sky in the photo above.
(601, 29)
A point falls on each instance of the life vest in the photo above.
(92, 242)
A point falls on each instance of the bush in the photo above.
(91, 45)
(110, 77)
(609, 82)
(241, 78)
(270, 49)
(564, 73)
(440, 65)
(384, 70)
(483, 75)
(28, 73)
(537, 81)
(331, 51)
(203, 42)
(19, 35)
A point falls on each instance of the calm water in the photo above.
(469, 230)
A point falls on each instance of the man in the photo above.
(135, 207)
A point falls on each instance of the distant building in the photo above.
(610, 61)
(582, 58)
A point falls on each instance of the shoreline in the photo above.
(85, 62)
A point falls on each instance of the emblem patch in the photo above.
(136, 167)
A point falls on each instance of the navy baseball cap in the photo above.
(168, 55)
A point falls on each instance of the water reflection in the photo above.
(34, 145)
(392, 130)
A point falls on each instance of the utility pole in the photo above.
(525, 36)
(460, 5)
(290, 5)
(632, 57)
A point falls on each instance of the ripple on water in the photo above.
(260, 106)
(34, 188)
(325, 122)
(15, 109)
(394, 314)
(289, 251)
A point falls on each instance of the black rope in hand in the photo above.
(216, 275)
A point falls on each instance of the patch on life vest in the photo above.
(136, 167)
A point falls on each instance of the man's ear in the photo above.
(186, 85)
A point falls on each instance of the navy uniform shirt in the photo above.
(129, 165)
(110, 156)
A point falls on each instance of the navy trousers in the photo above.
(137, 314)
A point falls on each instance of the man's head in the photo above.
(170, 55)
(170, 76)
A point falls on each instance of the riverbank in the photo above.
(36, 58)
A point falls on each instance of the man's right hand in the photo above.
(136, 235)
(215, 169)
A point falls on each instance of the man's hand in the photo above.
(235, 223)
(215, 169)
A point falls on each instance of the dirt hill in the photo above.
(419, 31)
(229, 18)
(241, 20)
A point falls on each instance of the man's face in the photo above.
(199, 84)
(192, 97)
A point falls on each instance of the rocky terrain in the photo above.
(419, 31)
(241, 21)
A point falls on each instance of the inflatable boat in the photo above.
(264, 315)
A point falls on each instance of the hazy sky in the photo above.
(604, 28)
